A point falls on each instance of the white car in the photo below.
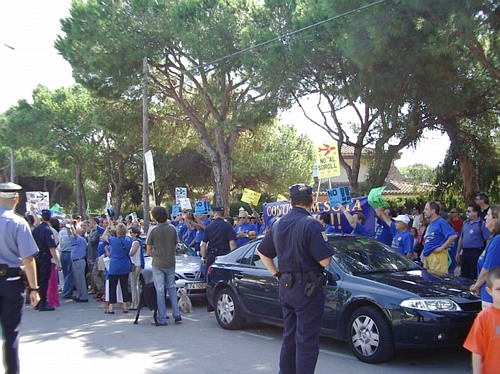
(188, 271)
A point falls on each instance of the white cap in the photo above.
(403, 218)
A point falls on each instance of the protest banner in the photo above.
(328, 160)
(274, 210)
(250, 197)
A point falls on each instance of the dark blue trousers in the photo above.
(43, 270)
(11, 308)
(302, 317)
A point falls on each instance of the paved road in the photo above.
(80, 337)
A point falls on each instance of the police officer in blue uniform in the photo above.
(44, 238)
(303, 252)
(17, 248)
(218, 239)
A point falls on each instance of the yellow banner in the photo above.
(328, 160)
(281, 198)
(250, 197)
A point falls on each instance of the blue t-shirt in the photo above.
(474, 234)
(181, 230)
(359, 230)
(245, 228)
(200, 232)
(329, 229)
(119, 249)
(383, 232)
(437, 234)
(489, 259)
(190, 236)
(403, 241)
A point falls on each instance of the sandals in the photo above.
(109, 312)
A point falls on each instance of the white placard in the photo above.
(150, 167)
(39, 199)
(185, 204)
(180, 193)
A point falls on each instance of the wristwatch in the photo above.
(34, 289)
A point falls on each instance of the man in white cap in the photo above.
(17, 248)
(402, 239)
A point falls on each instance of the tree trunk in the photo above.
(118, 181)
(81, 201)
(467, 168)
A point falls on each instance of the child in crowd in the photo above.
(484, 337)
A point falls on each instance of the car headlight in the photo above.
(433, 305)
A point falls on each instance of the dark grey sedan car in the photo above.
(376, 299)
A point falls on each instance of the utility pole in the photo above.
(145, 143)
(12, 174)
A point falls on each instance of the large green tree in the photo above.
(59, 125)
(400, 66)
(105, 42)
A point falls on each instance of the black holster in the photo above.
(313, 281)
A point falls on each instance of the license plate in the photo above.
(196, 286)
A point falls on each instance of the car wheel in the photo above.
(370, 335)
(227, 310)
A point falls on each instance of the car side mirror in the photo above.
(331, 278)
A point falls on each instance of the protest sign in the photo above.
(180, 193)
(185, 204)
(250, 197)
(328, 160)
(375, 198)
(202, 208)
(150, 167)
(281, 198)
(339, 195)
(38, 199)
(175, 210)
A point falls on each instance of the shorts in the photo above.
(437, 263)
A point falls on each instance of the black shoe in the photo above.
(82, 300)
(178, 319)
(210, 309)
(45, 308)
(68, 297)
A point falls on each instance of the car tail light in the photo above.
(209, 270)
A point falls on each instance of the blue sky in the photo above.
(32, 26)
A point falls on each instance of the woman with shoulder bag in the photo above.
(137, 257)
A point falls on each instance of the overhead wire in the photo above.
(286, 35)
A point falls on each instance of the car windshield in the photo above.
(184, 250)
(362, 255)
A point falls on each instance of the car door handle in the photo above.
(239, 276)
